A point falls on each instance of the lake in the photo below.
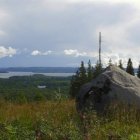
(10, 74)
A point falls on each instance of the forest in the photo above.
(22, 89)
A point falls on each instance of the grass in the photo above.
(59, 120)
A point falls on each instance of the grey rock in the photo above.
(113, 84)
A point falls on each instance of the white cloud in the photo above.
(47, 52)
(7, 51)
(75, 53)
(106, 56)
(118, 40)
(37, 52)
(115, 57)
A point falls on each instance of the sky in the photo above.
(65, 32)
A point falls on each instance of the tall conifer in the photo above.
(82, 73)
(78, 80)
(120, 65)
(97, 70)
(130, 68)
(89, 71)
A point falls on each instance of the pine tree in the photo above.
(78, 80)
(130, 68)
(89, 71)
(82, 73)
(120, 65)
(98, 69)
(74, 85)
(138, 72)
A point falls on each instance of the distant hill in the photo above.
(41, 69)
(3, 71)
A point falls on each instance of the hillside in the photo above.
(41, 69)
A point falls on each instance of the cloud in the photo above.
(115, 57)
(106, 56)
(87, 1)
(4, 52)
(75, 53)
(62, 24)
(37, 52)
(2, 33)
(47, 52)
(121, 38)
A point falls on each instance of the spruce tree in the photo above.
(138, 72)
(78, 80)
(82, 73)
(130, 68)
(97, 70)
(120, 65)
(89, 71)
(74, 85)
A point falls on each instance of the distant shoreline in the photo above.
(12, 74)
(40, 69)
(4, 72)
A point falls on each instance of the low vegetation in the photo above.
(58, 120)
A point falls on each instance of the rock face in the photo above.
(113, 84)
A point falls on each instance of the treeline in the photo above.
(130, 69)
(86, 74)
(21, 89)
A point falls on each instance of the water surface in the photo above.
(10, 74)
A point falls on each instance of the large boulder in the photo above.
(112, 85)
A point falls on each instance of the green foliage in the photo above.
(83, 76)
(120, 65)
(130, 68)
(60, 121)
(89, 71)
(78, 80)
(39, 97)
(16, 131)
(22, 89)
(98, 69)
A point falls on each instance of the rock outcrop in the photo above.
(113, 84)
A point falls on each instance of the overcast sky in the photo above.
(64, 32)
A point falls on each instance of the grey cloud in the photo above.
(61, 26)
(37, 52)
